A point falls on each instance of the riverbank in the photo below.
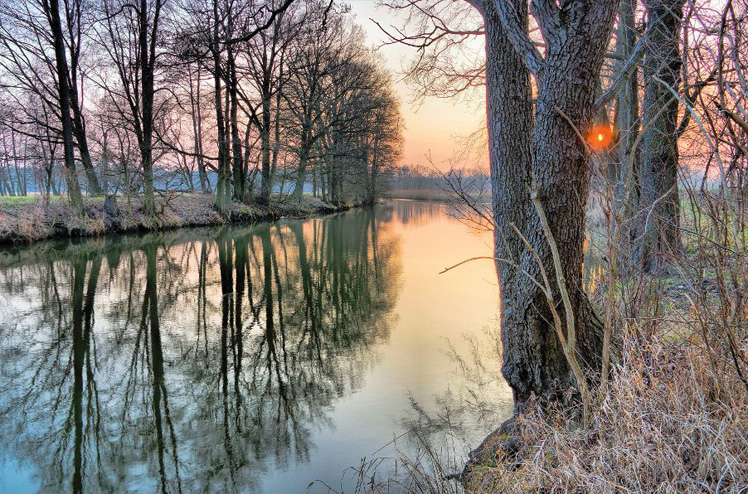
(27, 220)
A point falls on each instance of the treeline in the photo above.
(416, 177)
(240, 99)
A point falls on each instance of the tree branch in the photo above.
(518, 36)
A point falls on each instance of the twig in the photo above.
(465, 262)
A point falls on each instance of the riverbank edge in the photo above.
(25, 223)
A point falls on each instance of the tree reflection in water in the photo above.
(189, 361)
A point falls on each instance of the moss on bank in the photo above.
(30, 220)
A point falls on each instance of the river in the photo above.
(260, 358)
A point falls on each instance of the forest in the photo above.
(558, 307)
(247, 101)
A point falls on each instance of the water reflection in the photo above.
(415, 214)
(190, 361)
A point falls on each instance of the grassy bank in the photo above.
(24, 220)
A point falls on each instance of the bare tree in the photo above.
(52, 10)
(130, 35)
(539, 147)
(316, 53)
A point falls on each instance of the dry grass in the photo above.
(659, 430)
(675, 415)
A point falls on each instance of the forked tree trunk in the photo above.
(550, 150)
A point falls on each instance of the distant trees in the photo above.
(363, 136)
(319, 51)
(247, 97)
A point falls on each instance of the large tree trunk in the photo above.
(554, 159)
(509, 112)
(660, 218)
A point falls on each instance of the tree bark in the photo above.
(659, 226)
(549, 154)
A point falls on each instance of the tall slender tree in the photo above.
(130, 36)
(52, 10)
(74, 22)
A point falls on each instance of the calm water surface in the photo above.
(247, 359)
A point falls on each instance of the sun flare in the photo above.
(600, 137)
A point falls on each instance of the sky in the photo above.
(432, 127)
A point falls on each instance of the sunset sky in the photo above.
(435, 125)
